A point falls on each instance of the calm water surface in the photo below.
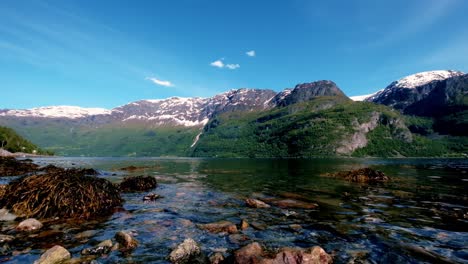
(424, 208)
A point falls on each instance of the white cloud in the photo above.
(218, 63)
(250, 53)
(232, 66)
(159, 82)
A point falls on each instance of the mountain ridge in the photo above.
(310, 119)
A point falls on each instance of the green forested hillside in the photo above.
(11, 141)
(108, 140)
(317, 128)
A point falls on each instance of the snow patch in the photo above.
(422, 78)
(62, 111)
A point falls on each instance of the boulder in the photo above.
(138, 184)
(62, 193)
(364, 175)
(54, 255)
(254, 203)
(188, 252)
(218, 227)
(126, 241)
(29, 224)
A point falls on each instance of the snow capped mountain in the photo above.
(170, 111)
(178, 111)
(63, 111)
(411, 89)
(174, 111)
(423, 78)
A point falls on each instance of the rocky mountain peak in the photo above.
(306, 91)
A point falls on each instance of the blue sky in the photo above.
(107, 53)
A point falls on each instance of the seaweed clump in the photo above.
(364, 175)
(10, 166)
(138, 184)
(63, 193)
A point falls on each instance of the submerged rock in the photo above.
(254, 203)
(29, 224)
(291, 203)
(126, 241)
(221, 226)
(138, 184)
(54, 255)
(188, 252)
(365, 175)
(63, 193)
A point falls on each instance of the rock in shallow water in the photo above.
(254, 203)
(188, 252)
(54, 255)
(29, 224)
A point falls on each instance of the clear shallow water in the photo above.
(425, 205)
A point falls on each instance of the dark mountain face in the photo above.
(406, 93)
(401, 98)
(307, 91)
(445, 97)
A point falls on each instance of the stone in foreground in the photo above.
(54, 255)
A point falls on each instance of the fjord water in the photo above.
(423, 208)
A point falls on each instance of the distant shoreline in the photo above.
(6, 153)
